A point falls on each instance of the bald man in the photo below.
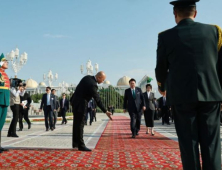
(85, 91)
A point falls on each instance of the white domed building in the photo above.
(123, 84)
(31, 86)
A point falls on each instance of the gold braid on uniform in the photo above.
(220, 37)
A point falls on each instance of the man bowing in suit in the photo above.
(134, 103)
(86, 89)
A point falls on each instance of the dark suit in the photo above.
(55, 114)
(85, 91)
(189, 67)
(89, 112)
(64, 107)
(150, 109)
(48, 110)
(23, 112)
(165, 111)
(134, 107)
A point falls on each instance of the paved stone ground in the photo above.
(61, 137)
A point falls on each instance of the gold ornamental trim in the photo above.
(6, 88)
(220, 37)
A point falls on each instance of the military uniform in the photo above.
(4, 97)
(189, 68)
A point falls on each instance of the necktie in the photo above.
(134, 95)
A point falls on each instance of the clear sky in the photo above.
(119, 35)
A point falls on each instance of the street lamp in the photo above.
(50, 78)
(63, 87)
(17, 62)
(89, 68)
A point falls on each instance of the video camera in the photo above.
(15, 82)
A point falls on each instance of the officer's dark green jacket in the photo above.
(189, 64)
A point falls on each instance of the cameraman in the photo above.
(25, 101)
(14, 105)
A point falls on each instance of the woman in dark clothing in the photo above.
(150, 109)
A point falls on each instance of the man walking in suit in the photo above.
(189, 68)
(86, 89)
(89, 112)
(134, 103)
(49, 106)
(64, 103)
(55, 113)
(164, 109)
(24, 108)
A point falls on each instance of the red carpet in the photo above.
(115, 149)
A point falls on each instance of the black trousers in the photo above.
(89, 114)
(48, 113)
(199, 124)
(94, 114)
(15, 112)
(23, 113)
(55, 114)
(165, 115)
(149, 117)
(78, 126)
(135, 121)
(63, 114)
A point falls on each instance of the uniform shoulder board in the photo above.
(220, 37)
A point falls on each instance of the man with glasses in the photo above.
(4, 94)
(85, 91)
(48, 104)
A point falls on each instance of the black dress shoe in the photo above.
(62, 123)
(14, 135)
(29, 126)
(153, 134)
(168, 123)
(52, 129)
(3, 149)
(9, 135)
(133, 136)
(137, 133)
(20, 130)
(147, 133)
(65, 122)
(84, 149)
(47, 129)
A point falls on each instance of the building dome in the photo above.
(31, 84)
(106, 82)
(42, 84)
(124, 81)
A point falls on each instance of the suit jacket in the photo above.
(66, 104)
(132, 104)
(85, 91)
(52, 102)
(57, 102)
(27, 97)
(188, 64)
(149, 101)
(161, 103)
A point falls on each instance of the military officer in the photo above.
(4, 94)
(189, 68)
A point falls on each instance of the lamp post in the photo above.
(50, 78)
(89, 68)
(63, 87)
(17, 62)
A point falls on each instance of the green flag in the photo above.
(149, 79)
